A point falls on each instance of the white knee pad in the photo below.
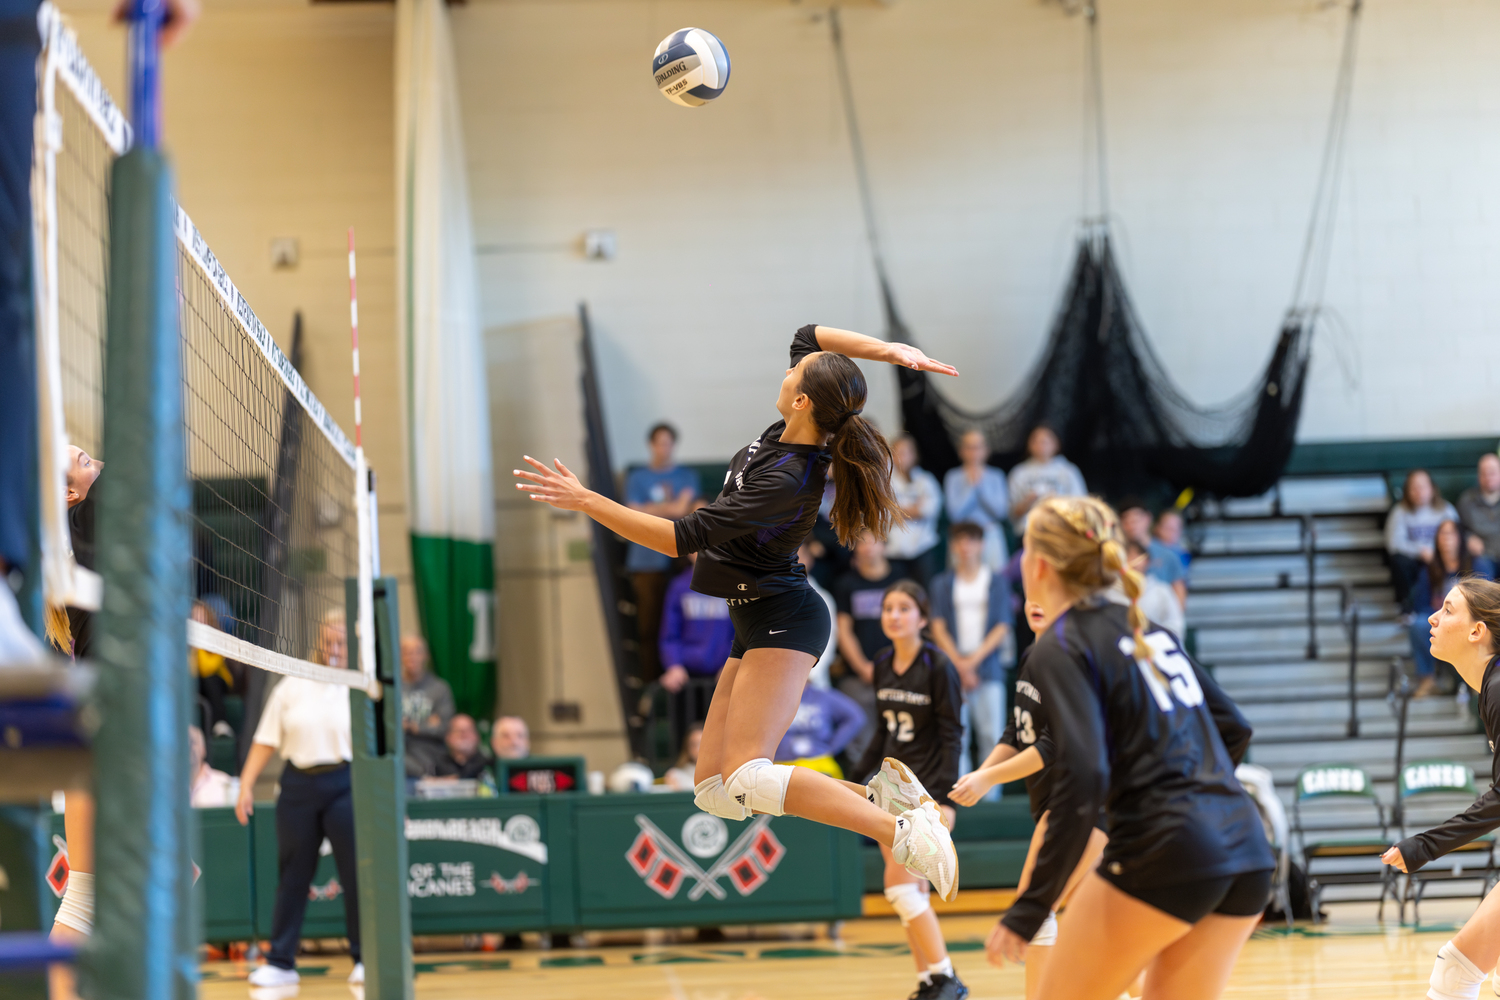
(909, 900)
(76, 909)
(710, 796)
(760, 785)
(1454, 977)
(1046, 935)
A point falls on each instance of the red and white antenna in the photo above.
(366, 622)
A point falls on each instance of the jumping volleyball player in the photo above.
(1466, 633)
(747, 543)
(918, 698)
(1187, 870)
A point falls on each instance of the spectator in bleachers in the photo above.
(1168, 531)
(1479, 509)
(825, 723)
(209, 788)
(511, 739)
(463, 759)
(663, 489)
(216, 676)
(819, 674)
(912, 545)
(679, 776)
(1045, 473)
(696, 633)
(1451, 561)
(1410, 529)
(1162, 562)
(1158, 600)
(426, 709)
(971, 622)
(976, 491)
(858, 595)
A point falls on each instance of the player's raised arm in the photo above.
(861, 347)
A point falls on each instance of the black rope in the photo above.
(1094, 111)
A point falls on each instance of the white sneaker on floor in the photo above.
(895, 789)
(271, 975)
(357, 977)
(925, 847)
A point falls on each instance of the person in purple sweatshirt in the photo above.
(696, 632)
(826, 721)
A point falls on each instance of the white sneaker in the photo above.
(924, 846)
(895, 789)
(357, 977)
(271, 975)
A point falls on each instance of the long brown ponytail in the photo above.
(1081, 538)
(862, 496)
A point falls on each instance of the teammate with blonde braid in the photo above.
(1139, 730)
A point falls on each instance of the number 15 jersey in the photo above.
(917, 719)
(1155, 741)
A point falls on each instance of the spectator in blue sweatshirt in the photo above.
(826, 721)
(696, 632)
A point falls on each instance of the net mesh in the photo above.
(274, 529)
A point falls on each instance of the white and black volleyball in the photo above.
(691, 67)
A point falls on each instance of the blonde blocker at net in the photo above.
(1483, 599)
(1081, 538)
(863, 499)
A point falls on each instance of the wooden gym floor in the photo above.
(1351, 957)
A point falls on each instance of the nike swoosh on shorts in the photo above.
(772, 631)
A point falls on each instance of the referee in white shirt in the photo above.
(307, 723)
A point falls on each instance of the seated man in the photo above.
(511, 739)
(210, 788)
(1479, 509)
(426, 709)
(1162, 563)
(696, 633)
(463, 758)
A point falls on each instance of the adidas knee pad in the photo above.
(76, 910)
(908, 900)
(1046, 935)
(760, 786)
(1454, 977)
(710, 796)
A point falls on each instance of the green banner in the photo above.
(455, 582)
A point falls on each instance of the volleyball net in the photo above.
(281, 512)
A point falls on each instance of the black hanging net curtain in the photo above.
(1102, 389)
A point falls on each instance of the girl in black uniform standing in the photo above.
(1466, 633)
(918, 698)
(747, 543)
(1154, 741)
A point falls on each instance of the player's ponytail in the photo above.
(1081, 538)
(862, 496)
(59, 629)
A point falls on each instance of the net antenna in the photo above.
(362, 502)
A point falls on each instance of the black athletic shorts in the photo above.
(1242, 895)
(794, 619)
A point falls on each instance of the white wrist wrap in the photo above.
(76, 908)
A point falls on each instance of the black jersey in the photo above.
(1484, 815)
(1028, 727)
(81, 534)
(917, 719)
(1154, 743)
(747, 539)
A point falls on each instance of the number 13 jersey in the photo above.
(1155, 741)
(917, 719)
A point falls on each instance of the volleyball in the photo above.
(691, 67)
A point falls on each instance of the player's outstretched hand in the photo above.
(907, 356)
(1394, 859)
(1005, 945)
(558, 487)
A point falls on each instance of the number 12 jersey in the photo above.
(917, 719)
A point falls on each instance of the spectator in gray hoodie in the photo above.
(1479, 509)
(426, 709)
(1410, 529)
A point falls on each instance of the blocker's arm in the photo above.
(863, 348)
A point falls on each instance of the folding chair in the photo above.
(1439, 789)
(1329, 790)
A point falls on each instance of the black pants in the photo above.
(311, 807)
